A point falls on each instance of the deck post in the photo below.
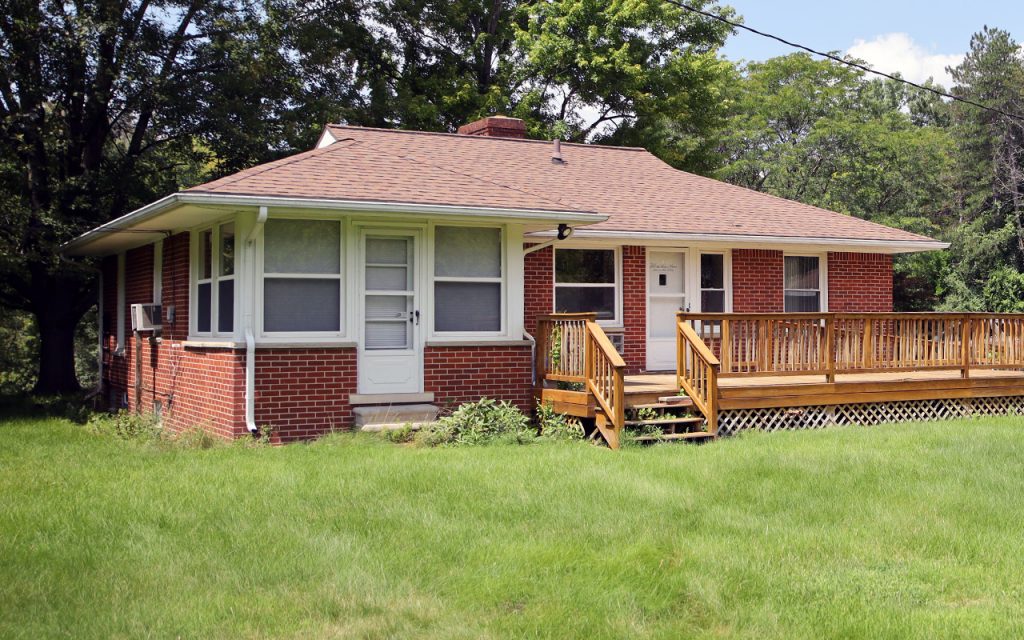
(966, 326)
(541, 354)
(869, 343)
(725, 350)
(830, 340)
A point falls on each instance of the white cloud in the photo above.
(897, 52)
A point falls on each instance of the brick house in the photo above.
(387, 267)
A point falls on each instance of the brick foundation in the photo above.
(303, 393)
(459, 374)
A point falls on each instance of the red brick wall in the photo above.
(303, 393)
(195, 386)
(859, 282)
(539, 288)
(757, 281)
(462, 374)
(634, 307)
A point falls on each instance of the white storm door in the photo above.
(390, 354)
(666, 295)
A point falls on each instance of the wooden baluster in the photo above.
(828, 361)
(726, 350)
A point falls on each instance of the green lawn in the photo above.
(902, 531)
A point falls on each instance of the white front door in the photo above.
(666, 295)
(390, 354)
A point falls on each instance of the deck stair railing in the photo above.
(573, 349)
(697, 370)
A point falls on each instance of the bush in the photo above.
(483, 422)
(126, 425)
(557, 426)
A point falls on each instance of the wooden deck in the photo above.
(800, 391)
(795, 370)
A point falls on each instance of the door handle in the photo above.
(414, 317)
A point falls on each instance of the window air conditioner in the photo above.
(146, 317)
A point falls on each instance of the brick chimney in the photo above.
(495, 127)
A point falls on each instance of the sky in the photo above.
(918, 39)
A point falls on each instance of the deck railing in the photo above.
(572, 348)
(697, 371)
(828, 344)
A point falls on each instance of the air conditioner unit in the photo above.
(146, 317)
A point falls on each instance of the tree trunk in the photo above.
(56, 349)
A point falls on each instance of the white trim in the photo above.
(153, 209)
(119, 347)
(616, 322)
(631, 237)
(483, 342)
(158, 271)
(822, 278)
(726, 275)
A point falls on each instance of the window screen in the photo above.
(802, 280)
(468, 280)
(302, 276)
(585, 282)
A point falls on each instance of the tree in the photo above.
(988, 237)
(107, 105)
(819, 132)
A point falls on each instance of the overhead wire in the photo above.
(844, 61)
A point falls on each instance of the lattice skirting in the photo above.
(870, 413)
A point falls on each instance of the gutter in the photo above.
(250, 341)
(892, 245)
(197, 198)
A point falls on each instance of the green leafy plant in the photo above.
(483, 422)
(126, 426)
(557, 426)
(402, 435)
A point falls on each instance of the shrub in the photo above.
(402, 435)
(557, 426)
(483, 422)
(126, 425)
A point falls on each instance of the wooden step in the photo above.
(668, 437)
(676, 401)
(664, 421)
(663, 405)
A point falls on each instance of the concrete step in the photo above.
(393, 416)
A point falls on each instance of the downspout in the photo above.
(564, 233)
(250, 341)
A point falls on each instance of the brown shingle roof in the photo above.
(639, 192)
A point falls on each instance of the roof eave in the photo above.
(79, 245)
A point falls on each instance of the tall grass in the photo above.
(902, 531)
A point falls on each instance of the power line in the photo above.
(849, 63)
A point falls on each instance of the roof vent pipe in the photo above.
(556, 155)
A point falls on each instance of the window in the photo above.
(586, 281)
(712, 283)
(302, 284)
(467, 280)
(215, 281)
(802, 284)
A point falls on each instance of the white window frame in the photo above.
(214, 280)
(617, 322)
(726, 279)
(121, 305)
(822, 279)
(501, 280)
(343, 301)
